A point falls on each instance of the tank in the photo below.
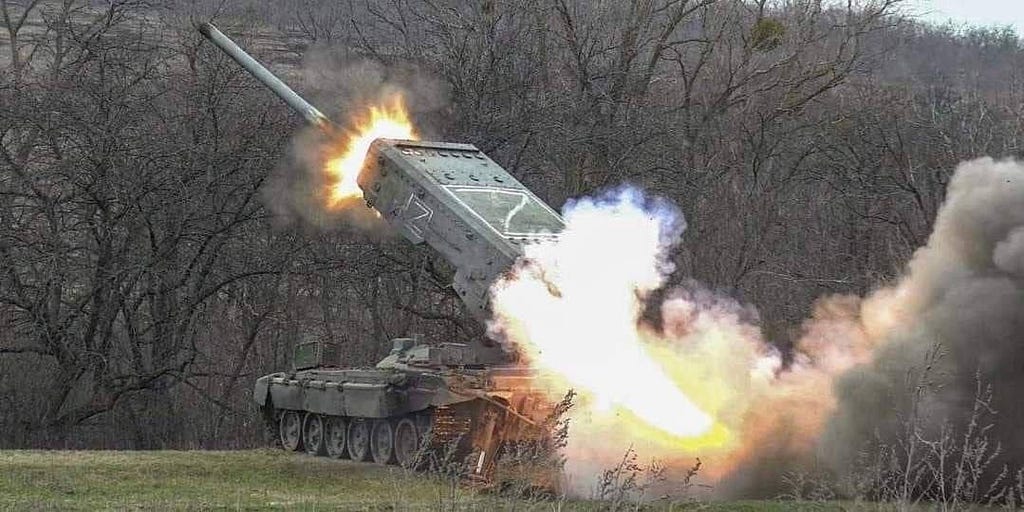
(422, 396)
(419, 401)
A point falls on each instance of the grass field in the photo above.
(255, 480)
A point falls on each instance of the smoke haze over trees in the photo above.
(147, 276)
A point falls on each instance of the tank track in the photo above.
(277, 437)
(448, 437)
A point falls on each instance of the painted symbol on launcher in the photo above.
(416, 215)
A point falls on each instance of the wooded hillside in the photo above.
(151, 266)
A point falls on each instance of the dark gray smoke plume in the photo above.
(957, 319)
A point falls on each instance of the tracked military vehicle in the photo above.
(478, 217)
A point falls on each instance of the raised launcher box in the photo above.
(461, 203)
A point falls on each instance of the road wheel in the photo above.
(407, 443)
(290, 428)
(359, 439)
(382, 442)
(336, 437)
(313, 434)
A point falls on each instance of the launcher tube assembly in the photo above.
(450, 196)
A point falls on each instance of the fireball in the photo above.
(587, 335)
(700, 381)
(388, 120)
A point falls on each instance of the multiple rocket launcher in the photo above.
(450, 196)
(478, 217)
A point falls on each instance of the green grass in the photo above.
(252, 480)
(244, 480)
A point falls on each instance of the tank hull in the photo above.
(468, 414)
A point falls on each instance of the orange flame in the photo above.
(388, 120)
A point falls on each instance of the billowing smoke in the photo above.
(955, 320)
(574, 308)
